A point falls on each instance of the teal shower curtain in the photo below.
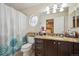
(12, 30)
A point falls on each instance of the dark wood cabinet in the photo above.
(44, 47)
(50, 48)
(65, 48)
(39, 47)
(76, 49)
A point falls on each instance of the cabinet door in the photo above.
(50, 48)
(39, 47)
(65, 48)
(76, 49)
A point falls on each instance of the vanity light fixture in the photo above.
(55, 8)
(54, 11)
(64, 5)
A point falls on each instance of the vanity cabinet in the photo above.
(65, 48)
(39, 47)
(53, 48)
(50, 48)
(76, 49)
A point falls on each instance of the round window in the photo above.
(33, 20)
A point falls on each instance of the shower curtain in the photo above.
(12, 26)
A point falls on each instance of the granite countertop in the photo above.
(58, 38)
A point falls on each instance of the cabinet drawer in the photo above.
(39, 41)
(36, 44)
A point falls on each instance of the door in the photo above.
(50, 48)
(50, 26)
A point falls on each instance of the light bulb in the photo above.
(55, 6)
(64, 5)
(61, 9)
(47, 8)
(54, 11)
(48, 12)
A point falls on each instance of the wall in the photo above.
(35, 28)
(66, 15)
(58, 18)
(36, 11)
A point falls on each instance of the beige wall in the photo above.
(31, 28)
(60, 22)
(42, 18)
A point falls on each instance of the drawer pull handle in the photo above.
(54, 42)
(58, 42)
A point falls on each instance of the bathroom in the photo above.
(17, 28)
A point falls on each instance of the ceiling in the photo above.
(30, 8)
(22, 6)
(27, 8)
